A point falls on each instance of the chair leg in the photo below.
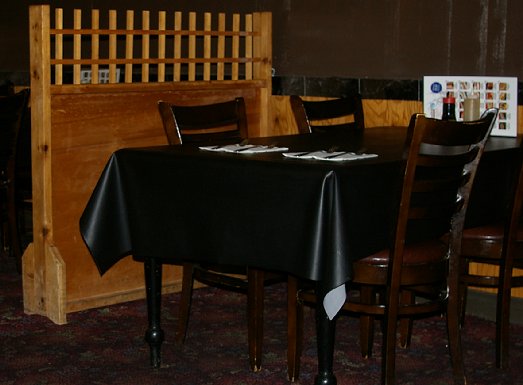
(503, 317)
(185, 303)
(462, 292)
(367, 295)
(454, 335)
(255, 298)
(294, 329)
(405, 323)
(388, 358)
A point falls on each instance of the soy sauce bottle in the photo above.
(449, 108)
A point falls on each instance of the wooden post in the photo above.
(59, 45)
(177, 49)
(145, 46)
(129, 20)
(207, 25)
(235, 46)
(42, 266)
(220, 54)
(113, 17)
(161, 46)
(192, 46)
(262, 46)
(248, 47)
(77, 46)
(95, 45)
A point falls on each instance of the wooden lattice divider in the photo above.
(212, 50)
(77, 123)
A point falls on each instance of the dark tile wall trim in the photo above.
(368, 88)
(336, 87)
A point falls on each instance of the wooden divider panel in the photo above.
(95, 86)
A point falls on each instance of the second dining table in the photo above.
(308, 218)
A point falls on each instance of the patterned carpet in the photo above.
(106, 346)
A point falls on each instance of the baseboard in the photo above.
(483, 305)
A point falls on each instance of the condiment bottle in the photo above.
(449, 108)
(471, 108)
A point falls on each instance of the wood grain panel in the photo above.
(87, 129)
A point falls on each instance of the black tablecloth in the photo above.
(308, 218)
(304, 217)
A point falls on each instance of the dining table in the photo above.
(300, 215)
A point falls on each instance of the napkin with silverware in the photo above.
(331, 156)
(244, 148)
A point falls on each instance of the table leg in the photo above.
(325, 331)
(255, 300)
(153, 286)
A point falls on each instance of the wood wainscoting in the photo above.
(378, 112)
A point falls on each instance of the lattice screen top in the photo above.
(116, 47)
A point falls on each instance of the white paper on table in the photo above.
(330, 156)
(244, 148)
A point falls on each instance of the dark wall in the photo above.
(402, 39)
(376, 39)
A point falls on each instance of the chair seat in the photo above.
(491, 232)
(486, 243)
(372, 270)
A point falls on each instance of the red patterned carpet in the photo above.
(106, 346)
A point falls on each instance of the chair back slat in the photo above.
(202, 123)
(344, 113)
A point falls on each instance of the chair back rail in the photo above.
(201, 123)
(344, 113)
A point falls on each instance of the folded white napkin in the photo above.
(244, 148)
(331, 156)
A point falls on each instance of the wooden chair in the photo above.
(219, 121)
(497, 244)
(12, 111)
(418, 275)
(344, 113)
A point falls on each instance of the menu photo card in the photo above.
(497, 92)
